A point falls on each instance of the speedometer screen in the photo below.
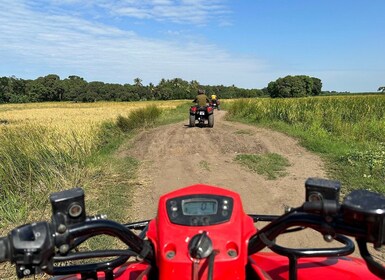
(199, 207)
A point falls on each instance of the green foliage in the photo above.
(139, 118)
(270, 165)
(347, 130)
(295, 86)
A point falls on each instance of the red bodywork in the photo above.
(167, 236)
(194, 109)
(232, 235)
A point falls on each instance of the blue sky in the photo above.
(245, 43)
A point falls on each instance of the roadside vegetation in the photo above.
(50, 147)
(348, 131)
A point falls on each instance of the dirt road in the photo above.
(176, 155)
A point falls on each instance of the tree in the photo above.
(74, 87)
(138, 82)
(4, 90)
(295, 86)
(317, 86)
(16, 90)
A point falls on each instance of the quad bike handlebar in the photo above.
(36, 247)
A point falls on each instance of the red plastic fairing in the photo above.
(231, 235)
(209, 109)
(193, 109)
(277, 267)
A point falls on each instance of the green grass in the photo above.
(270, 165)
(140, 118)
(347, 131)
(204, 165)
(244, 132)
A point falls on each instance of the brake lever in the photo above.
(375, 267)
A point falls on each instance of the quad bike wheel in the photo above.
(211, 120)
(192, 120)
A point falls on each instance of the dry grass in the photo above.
(71, 120)
(71, 117)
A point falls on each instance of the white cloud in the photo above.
(198, 12)
(66, 45)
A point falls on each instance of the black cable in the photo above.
(87, 268)
(137, 225)
(210, 272)
(94, 254)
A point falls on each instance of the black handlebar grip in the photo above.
(4, 249)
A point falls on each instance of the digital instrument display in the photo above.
(199, 207)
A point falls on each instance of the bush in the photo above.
(143, 117)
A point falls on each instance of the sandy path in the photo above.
(176, 155)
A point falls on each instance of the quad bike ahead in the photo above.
(202, 232)
(216, 104)
(201, 114)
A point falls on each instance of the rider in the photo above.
(201, 99)
(215, 101)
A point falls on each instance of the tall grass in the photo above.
(33, 162)
(139, 118)
(349, 130)
(50, 147)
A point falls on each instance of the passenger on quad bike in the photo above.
(202, 111)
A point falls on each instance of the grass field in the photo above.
(47, 147)
(347, 130)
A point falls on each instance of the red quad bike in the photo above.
(201, 114)
(202, 232)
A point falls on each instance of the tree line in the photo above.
(76, 89)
